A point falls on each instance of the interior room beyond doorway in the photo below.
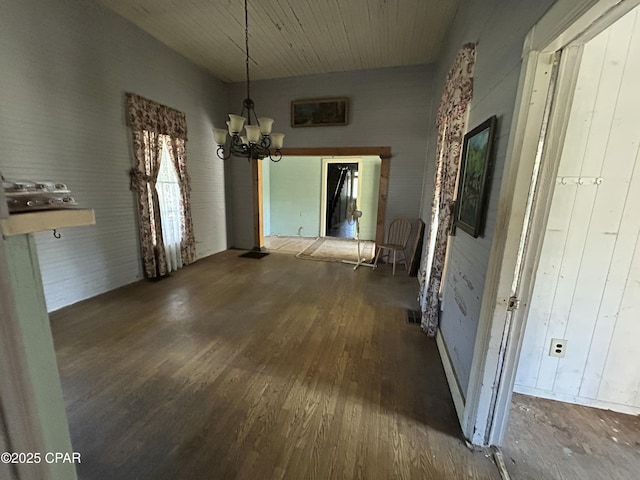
(295, 195)
(339, 198)
(579, 347)
(584, 296)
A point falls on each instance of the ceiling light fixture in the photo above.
(257, 142)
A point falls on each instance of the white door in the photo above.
(587, 290)
(526, 193)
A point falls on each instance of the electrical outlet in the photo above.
(558, 347)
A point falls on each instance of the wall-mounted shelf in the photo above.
(30, 222)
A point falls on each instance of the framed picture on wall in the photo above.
(319, 112)
(475, 166)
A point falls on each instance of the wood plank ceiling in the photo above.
(289, 38)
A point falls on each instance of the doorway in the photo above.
(579, 348)
(584, 295)
(340, 178)
(536, 141)
(373, 220)
(295, 199)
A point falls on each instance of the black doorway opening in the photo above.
(342, 192)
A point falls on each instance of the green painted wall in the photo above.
(266, 197)
(295, 191)
(295, 196)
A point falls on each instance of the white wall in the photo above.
(65, 66)
(499, 28)
(6, 470)
(587, 287)
(388, 107)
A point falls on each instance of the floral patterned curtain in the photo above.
(451, 123)
(147, 149)
(149, 121)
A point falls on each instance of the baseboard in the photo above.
(587, 402)
(452, 380)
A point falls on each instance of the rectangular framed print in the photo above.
(319, 112)
(475, 166)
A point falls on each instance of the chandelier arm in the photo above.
(250, 107)
(236, 142)
(277, 157)
(265, 141)
(222, 155)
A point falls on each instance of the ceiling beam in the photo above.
(382, 152)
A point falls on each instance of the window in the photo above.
(160, 180)
(171, 208)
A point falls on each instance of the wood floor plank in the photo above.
(549, 439)
(236, 368)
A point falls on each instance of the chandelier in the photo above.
(257, 142)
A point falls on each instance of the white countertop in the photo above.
(29, 222)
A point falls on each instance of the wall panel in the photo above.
(296, 191)
(498, 27)
(586, 288)
(66, 66)
(295, 196)
(388, 107)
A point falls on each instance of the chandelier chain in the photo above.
(246, 43)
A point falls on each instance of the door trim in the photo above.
(383, 189)
(258, 206)
(323, 191)
(499, 336)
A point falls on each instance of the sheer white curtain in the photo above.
(170, 200)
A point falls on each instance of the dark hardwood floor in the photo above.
(259, 369)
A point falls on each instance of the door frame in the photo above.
(522, 211)
(258, 205)
(385, 167)
(25, 423)
(323, 191)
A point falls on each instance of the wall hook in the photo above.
(56, 234)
